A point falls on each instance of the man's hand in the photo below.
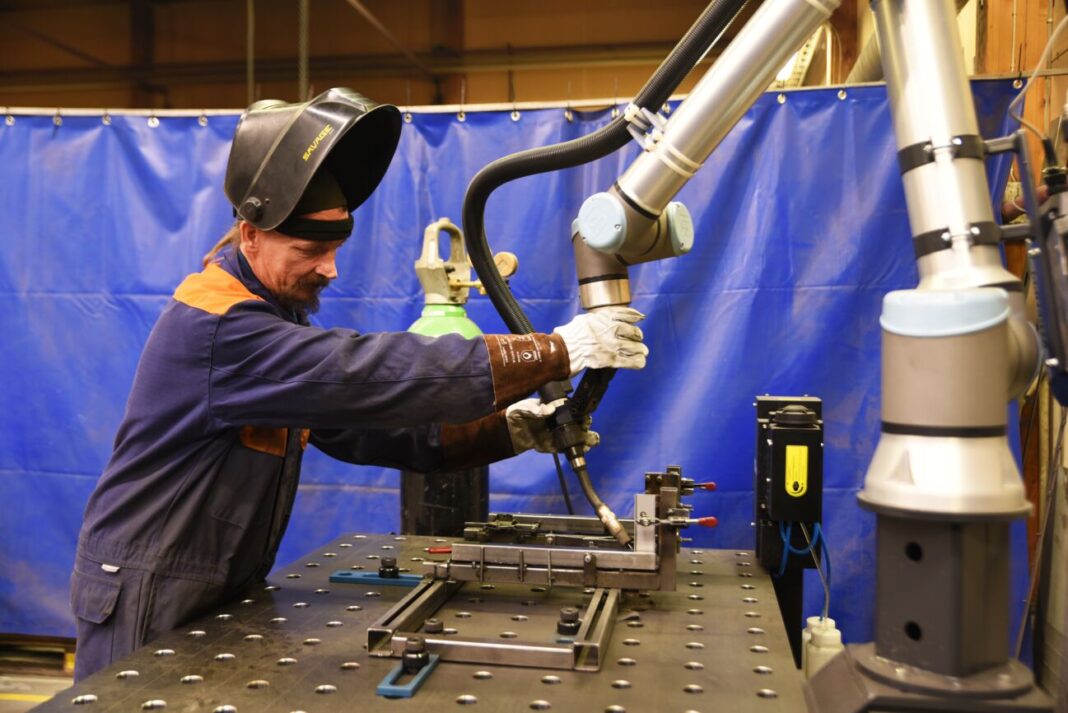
(527, 427)
(605, 338)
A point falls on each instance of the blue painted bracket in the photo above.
(344, 576)
(389, 687)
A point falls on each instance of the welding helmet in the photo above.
(278, 147)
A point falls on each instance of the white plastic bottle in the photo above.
(820, 642)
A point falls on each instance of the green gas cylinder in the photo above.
(440, 504)
(441, 319)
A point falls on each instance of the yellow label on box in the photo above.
(796, 470)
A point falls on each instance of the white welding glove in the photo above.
(527, 427)
(605, 338)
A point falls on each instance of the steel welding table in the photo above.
(299, 643)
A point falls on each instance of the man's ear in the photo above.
(250, 238)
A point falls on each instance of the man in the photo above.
(234, 383)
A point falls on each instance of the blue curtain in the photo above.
(801, 229)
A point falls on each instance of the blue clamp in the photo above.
(389, 687)
(344, 576)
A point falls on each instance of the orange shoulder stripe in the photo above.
(214, 290)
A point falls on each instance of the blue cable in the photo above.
(785, 531)
(802, 550)
(785, 548)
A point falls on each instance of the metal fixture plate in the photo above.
(668, 651)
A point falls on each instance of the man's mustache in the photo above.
(313, 282)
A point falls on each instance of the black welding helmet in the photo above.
(278, 147)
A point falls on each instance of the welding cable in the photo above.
(689, 51)
(563, 484)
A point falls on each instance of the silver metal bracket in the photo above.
(585, 652)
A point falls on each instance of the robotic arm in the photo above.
(636, 221)
(955, 350)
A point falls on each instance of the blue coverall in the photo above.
(230, 387)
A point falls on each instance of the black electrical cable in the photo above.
(563, 484)
(693, 46)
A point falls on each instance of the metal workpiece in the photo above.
(946, 373)
(582, 649)
(742, 72)
(573, 551)
(297, 642)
